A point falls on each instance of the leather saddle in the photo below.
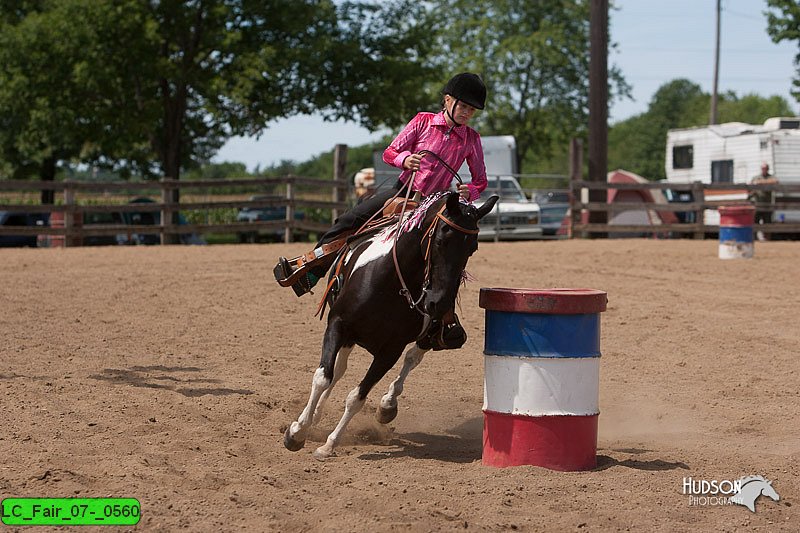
(293, 269)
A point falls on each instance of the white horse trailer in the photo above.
(733, 153)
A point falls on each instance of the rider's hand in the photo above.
(412, 162)
(464, 191)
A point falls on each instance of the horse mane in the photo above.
(749, 479)
(416, 218)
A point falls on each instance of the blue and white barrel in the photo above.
(541, 377)
(736, 231)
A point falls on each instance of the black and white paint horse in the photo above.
(371, 311)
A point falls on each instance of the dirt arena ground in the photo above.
(169, 375)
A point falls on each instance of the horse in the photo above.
(397, 284)
(751, 488)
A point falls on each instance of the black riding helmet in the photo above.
(468, 88)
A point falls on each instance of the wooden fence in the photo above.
(310, 193)
(298, 192)
(704, 197)
(73, 209)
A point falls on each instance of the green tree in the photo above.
(534, 59)
(753, 109)
(783, 24)
(157, 87)
(637, 144)
(61, 97)
(218, 171)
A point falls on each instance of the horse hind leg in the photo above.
(387, 409)
(355, 402)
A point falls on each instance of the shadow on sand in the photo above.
(159, 377)
(604, 462)
(462, 444)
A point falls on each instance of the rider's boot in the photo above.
(303, 272)
(286, 268)
(447, 334)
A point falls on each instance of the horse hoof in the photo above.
(291, 443)
(320, 454)
(385, 416)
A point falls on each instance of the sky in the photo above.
(657, 41)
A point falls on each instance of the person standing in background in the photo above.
(762, 198)
(364, 182)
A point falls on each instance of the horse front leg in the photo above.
(324, 378)
(339, 368)
(356, 399)
(387, 410)
(295, 436)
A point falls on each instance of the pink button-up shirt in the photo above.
(429, 131)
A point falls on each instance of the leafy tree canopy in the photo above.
(157, 87)
(783, 24)
(534, 59)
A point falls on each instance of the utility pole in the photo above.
(598, 106)
(712, 119)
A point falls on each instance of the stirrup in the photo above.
(283, 270)
(443, 336)
(289, 271)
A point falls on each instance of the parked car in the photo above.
(143, 218)
(91, 218)
(9, 219)
(681, 197)
(153, 218)
(553, 207)
(513, 217)
(120, 222)
(268, 213)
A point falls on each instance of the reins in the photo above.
(429, 233)
(443, 162)
(404, 292)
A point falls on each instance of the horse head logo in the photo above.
(751, 487)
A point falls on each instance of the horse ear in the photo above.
(453, 204)
(488, 206)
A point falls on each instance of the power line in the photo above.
(702, 50)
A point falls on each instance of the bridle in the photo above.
(428, 234)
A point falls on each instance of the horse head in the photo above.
(452, 239)
(769, 491)
(751, 487)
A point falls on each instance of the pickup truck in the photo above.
(256, 214)
(513, 217)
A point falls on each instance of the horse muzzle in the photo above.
(438, 307)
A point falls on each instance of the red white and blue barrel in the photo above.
(736, 231)
(541, 377)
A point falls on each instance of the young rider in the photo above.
(445, 134)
